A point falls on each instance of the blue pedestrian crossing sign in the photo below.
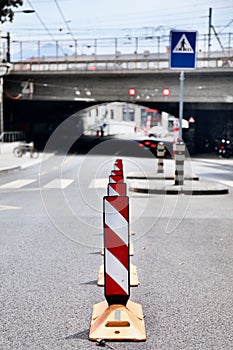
(183, 49)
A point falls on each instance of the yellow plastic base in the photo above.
(134, 282)
(131, 249)
(117, 322)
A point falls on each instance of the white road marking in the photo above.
(8, 207)
(98, 183)
(17, 184)
(227, 183)
(43, 173)
(59, 183)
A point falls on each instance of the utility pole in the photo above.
(5, 68)
(6, 14)
(211, 27)
(209, 32)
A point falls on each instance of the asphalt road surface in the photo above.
(51, 239)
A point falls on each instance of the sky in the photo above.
(79, 19)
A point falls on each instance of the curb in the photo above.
(10, 168)
(16, 167)
(27, 164)
(193, 188)
(24, 166)
(152, 176)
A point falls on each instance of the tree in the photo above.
(6, 12)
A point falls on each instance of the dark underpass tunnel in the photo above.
(39, 119)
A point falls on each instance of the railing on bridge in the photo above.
(111, 63)
(126, 53)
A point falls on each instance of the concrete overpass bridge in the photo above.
(56, 88)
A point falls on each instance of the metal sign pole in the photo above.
(182, 56)
(181, 103)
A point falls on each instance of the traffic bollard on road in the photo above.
(160, 155)
(117, 318)
(179, 163)
(118, 165)
(119, 189)
(116, 178)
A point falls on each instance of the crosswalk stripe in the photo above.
(43, 173)
(8, 207)
(59, 183)
(98, 183)
(17, 184)
(227, 183)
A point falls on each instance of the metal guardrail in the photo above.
(115, 63)
(12, 136)
(121, 53)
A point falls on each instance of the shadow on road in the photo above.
(107, 145)
(80, 335)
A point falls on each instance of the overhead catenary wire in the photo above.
(104, 27)
(175, 14)
(226, 26)
(65, 21)
(44, 25)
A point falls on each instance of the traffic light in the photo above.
(131, 91)
(166, 91)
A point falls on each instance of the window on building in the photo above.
(150, 114)
(128, 114)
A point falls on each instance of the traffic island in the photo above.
(156, 176)
(168, 187)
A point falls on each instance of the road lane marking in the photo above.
(227, 182)
(59, 183)
(8, 207)
(43, 173)
(17, 184)
(98, 183)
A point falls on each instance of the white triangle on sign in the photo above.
(183, 46)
